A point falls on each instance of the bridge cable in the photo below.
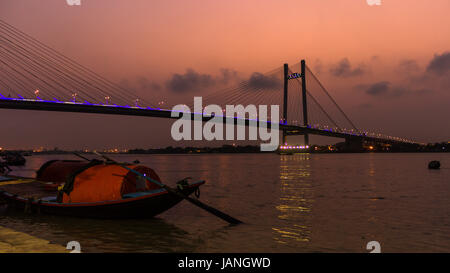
(74, 65)
(331, 98)
(47, 60)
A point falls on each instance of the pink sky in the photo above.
(124, 40)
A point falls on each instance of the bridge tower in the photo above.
(285, 99)
(287, 77)
(305, 105)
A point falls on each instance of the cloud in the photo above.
(387, 89)
(378, 88)
(344, 69)
(260, 81)
(193, 81)
(440, 64)
(433, 78)
(189, 81)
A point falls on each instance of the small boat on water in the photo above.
(94, 189)
(13, 159)
(434, 165)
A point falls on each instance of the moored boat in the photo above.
(13, 159)
(92, 189)
(434, 165)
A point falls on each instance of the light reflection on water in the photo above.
(296, 200)
(298, 203)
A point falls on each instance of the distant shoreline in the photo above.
(254, 149)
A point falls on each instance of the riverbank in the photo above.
(12, 241)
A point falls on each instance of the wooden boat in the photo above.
(13, 159)
(95, 190)
(434, 165)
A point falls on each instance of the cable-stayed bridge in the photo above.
(33, 76)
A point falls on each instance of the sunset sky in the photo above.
(387, 66)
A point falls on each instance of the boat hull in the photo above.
(144, 206)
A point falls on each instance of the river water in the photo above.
(296, 203)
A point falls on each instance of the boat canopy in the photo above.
(97, 181)
(58, 171)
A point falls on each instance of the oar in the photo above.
(196, 202)
(80, 156)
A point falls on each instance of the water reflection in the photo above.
(96, 235)
(296, 199)
(349, 199)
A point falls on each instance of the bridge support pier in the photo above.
(354, 144)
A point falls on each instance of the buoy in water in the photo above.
(434, 165)
(136, 161)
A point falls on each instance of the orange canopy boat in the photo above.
(92, 189)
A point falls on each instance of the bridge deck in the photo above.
(60, 106)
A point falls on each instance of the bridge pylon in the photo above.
(285, 99)
(287, 77)
(304, 103)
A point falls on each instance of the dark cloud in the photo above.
(440, 64)
(260, 81)
(387, 89)
(194, 81)
(378, 88)
(189, 81)
(434, 78)
(344, 69)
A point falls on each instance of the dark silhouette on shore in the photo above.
(336, 148)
